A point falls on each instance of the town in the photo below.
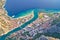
(46, 24)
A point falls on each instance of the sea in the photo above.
(19, 8)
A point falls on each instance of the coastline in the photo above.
(22, 26)
(11, 31)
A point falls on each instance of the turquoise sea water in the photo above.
(22, 26)
(18, 9)
(15, 7)
(28, 22)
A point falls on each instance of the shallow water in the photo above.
(15, 7)
(22, 26)
(18, 9)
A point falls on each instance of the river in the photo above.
(14, 8)
(22, 26)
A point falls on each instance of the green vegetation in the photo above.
(50, 14)
(21, 39)
(26, 33)
(55, 21)
(37, 36)
(55, 35)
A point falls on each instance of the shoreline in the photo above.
(18, 26)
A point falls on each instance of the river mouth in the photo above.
(13, 9)
(50, 33)
(36, 12)
(22, 26)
